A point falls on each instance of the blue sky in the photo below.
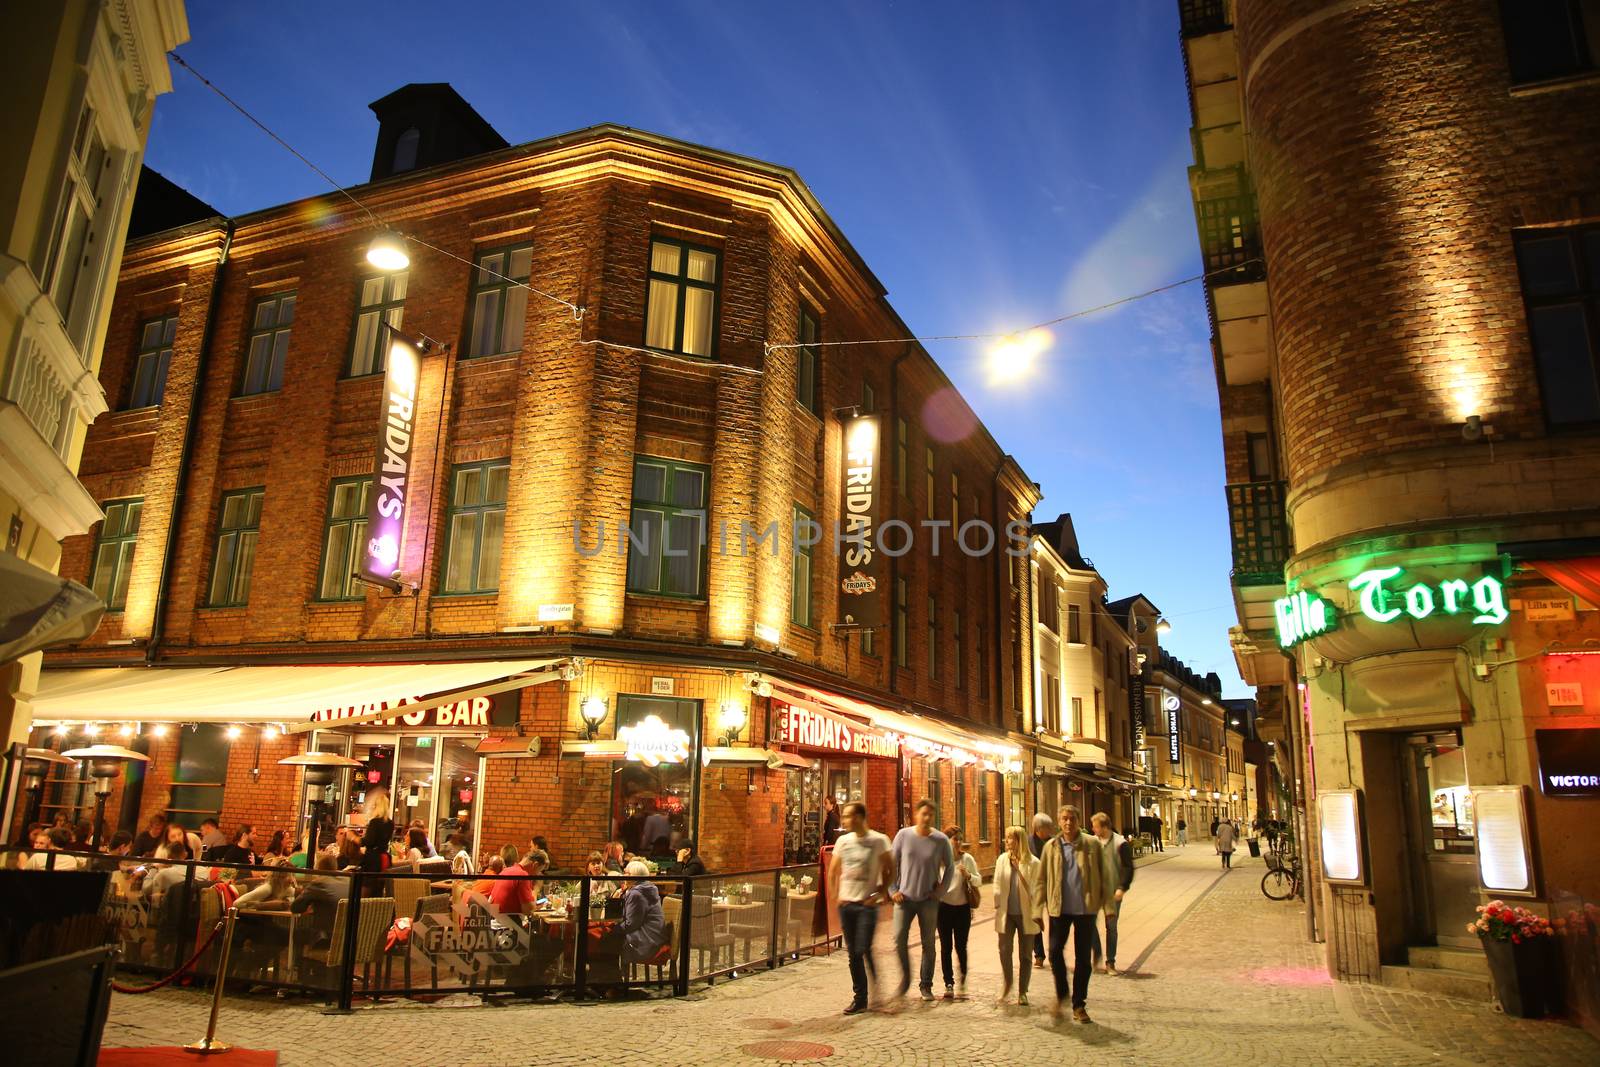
(996, 165)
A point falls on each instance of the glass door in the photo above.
(1443, 841)
(802, 828)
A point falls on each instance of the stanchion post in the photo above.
(777, 912)
(209, 1045)
(680, 981)
(580, 947)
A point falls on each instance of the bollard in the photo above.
(209, 1045)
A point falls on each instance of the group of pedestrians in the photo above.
(1051, 883)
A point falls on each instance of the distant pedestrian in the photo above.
(1183, 832)
(1214, 827)
(859, 875)
(1160, 829)
(1016, 913)
(1225, 835)
(1044, 828)
(1117, 860)
(922, 863)
(956, 901)
(1070, 890)
(831, 826)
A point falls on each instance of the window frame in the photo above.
(128, 543)
(1074, 624)
(244, 492)
(355, 591)
(160, 352)
(1252, 440)
(902, 623)
(684, 283)
(959, 660)
(476, 288)
(480, 511)
(1585, 39)
(805, 552)
(933, 638)
(902, 457)
(929, 467)
(386, 305)
(1587, 298)
(254, 332)
(809, 355)
(635, 504)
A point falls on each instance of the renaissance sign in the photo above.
(815, 728)
(386, 513)
(1381, 599)
(858, 542)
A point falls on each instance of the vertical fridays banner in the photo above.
(391, 490)
(859, 551)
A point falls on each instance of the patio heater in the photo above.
(105, 763)
(320, 767)
(36, 764)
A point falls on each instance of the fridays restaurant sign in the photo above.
(1382, 599)
(815, 728)
(386, 513)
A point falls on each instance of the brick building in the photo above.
(1401, 203)
(686, 398)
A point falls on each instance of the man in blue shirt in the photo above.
(922, 862)
(1071, 889)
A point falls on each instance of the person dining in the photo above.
(166, 876)
(277, 845)
(241, 849)
(320, 895)
(615, 857)
(175, 834)
(348, 855)
(642, 931)
(417, 846)
(492, 868)
(154, 832)
(56, 839)
(212, 839)
(689, 861)
(596, 866)
(261, 937)
(460, 856)
(515, 893)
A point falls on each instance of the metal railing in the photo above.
(1259, 529)
(1196, 18)
(343, 935)
(1230, 236)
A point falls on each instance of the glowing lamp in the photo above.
(593, 710)
(732, 718)
(388, 252)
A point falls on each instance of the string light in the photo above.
(159, 730)
(91, 729)
(128, 730)
(233, 733)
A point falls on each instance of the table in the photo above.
(288, 955)
(444, 886)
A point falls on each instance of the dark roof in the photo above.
(1210, 684)
(160, 204)
(1061, 536)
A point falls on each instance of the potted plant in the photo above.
(1523, 961)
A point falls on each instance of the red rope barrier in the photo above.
(169, 978)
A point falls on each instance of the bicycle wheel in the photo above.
(1277, 885)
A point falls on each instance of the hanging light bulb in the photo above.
(91, 729)
(270, 733)
(388, 252)
(233, 733)
(60, 730)
(158, 730)
(127, 730)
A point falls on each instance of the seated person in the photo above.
(515, 893)
(418, 847)
(320, 896)
(167, 876)
(54, 840)
(642, 931)
(261, 938)
(689, 861)
(494, 866)
(241, 850)
(616, 862)
(460, 855)
(596, 866)
(152, 835)
(212, 839)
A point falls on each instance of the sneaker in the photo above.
(927, 993)
(856, 1007)
(949, 992)
(1111, 969)
(961, 989)
(1081, 1015)
(1022, 1000)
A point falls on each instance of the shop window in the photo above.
(1560, 274)
(800, 576)
(653, 807)
(475, 527)
(150, 364)
(808, 360)
(935, 793)
(667, 529)
(499, 301)
(983, 805)
(961, 799)
(201, 774)
(113, 551)
(682, 311)
(269, 344)
(381, 301)
(1550, 38)
(343, 537)
(238, 526)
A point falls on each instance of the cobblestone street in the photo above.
(1213, 968)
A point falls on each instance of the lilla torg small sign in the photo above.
(386, 514)
(858, 547)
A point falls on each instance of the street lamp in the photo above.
(388, 251)
(593, 710)
(732, 718)
(105, 763)
(320, 769)
(36, 764)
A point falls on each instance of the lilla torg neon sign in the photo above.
(1303, 615)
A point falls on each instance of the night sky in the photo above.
(996, 166)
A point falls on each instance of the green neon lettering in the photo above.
(1374, 597)
(1488, 596)
(1419, 601)
(1455, 594)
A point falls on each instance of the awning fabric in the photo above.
(901, 723)
(39, 609)
(294, 696)
(1580, 577)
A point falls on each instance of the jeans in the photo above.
(1082, 929)
(1110, 942)
(1026, 943)
(1183, 836)
(1227, 859)
(926, 915)
(1156, 840)
(858, 921)
(955, 922)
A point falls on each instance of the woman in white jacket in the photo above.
(1016, 872)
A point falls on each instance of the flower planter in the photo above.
(1527, 976)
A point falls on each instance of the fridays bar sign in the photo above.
(858, 547)
(386, 513)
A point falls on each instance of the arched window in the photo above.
(405, 150)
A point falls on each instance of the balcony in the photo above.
(1230, 236)
(1200, 17)
(1260, 532)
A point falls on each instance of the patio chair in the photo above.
(708, 932)
(758, 924)
(377, 914)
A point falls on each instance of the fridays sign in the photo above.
(386, 513)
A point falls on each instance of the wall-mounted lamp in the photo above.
(1193, 792)
(593, 710)
(732, 718)
(1163, 627)
(1472, 428)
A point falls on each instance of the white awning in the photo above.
(949, 738)
(302, 698)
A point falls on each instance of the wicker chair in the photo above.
(759, 924)
(708, 932)
(377, 915)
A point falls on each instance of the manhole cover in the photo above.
(766, 1024)
(787, 1050)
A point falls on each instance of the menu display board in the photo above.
(1343, 850)
(1505, 860)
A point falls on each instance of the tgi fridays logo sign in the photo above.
(858, 546)
(386, 514)
(474, 712)
(814, 728)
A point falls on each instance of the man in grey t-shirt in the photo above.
(922, 862)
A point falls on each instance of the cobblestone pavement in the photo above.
(1222, 973)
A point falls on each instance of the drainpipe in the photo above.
(181, 480)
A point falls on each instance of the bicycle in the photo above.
(1282, 880)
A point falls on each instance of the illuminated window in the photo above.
(269, 344)
(800, 576)
(499, 304)
(150, 365)
(77, 247)
(343, 538)
(667, 530)
(238, 526)
(1074, 624)
(113, 551)
(475, 527)
(381, 300)
(808, 360)
(682, 311)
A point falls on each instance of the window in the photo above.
(269, 344)
(475, 527)
(983, 805)
(902, 437)
(869, 643)
(1049, 604)
(499, 303)
(1099, 717)
(1074, 624)
(150, 365)
(667, 530)
(1561, 287)
(934, 791)
(927, 469)
(343, 538)
(869, 399)
(382, 300)
(113, 551)
(237, 529)
(1259, 447)
(654, 806)
(960, 658)
(1550, 38)
(1077, 716)
(198, 774)
(961, 799)
(405, 150)
(901, 622)
(800, 577)
(807, 360)
(933, 638)
(955, 502)
(1050, 702)
(682, 313)
(69, 271)
(983, 667)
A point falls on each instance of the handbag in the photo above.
(974, 894)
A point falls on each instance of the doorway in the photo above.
(1442, 853)
(803, 838)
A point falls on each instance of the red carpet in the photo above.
(172, 1057)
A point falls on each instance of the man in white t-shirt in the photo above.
(858, 879)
